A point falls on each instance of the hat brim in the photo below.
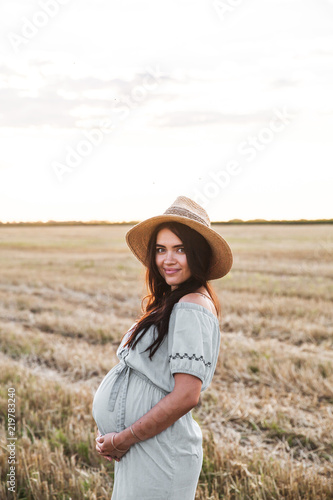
(138, 237)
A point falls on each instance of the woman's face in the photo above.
(171, 259)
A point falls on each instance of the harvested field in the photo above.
(67, 295)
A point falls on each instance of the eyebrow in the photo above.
(174, 246)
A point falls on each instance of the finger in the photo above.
(100, 444)
(105, 455)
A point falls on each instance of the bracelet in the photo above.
(137, 437)
(112, 442)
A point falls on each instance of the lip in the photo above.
(171, 271)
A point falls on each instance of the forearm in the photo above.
(165, 413)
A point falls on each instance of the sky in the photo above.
(110, 110)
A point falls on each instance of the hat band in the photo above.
(186, 213)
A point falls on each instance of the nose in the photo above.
(169, 257)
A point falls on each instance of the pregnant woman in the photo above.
(142, 407)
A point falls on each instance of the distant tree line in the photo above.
(132, 223)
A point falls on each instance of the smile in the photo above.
(171, 271)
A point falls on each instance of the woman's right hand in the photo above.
(105, 447)
(97, 447)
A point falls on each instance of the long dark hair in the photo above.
(161, 298)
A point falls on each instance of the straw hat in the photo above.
(191, 214)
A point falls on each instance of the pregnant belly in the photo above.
(132, 400)
(106, 420)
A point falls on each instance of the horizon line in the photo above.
(132, 222)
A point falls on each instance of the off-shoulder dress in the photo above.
(166, 466)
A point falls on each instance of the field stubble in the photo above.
(68, 294)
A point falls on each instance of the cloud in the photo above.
(198, 118)
(279, 83)
(7, 72)
(37, 100)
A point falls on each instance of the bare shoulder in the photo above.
(195, 298)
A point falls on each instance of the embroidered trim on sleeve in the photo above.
(185, 355)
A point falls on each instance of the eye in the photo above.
(181, 249)
(159, 250)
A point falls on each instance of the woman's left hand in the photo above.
(105, 448)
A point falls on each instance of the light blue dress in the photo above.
(166, 466)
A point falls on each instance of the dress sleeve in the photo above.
(193, 342)
(121, 349)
